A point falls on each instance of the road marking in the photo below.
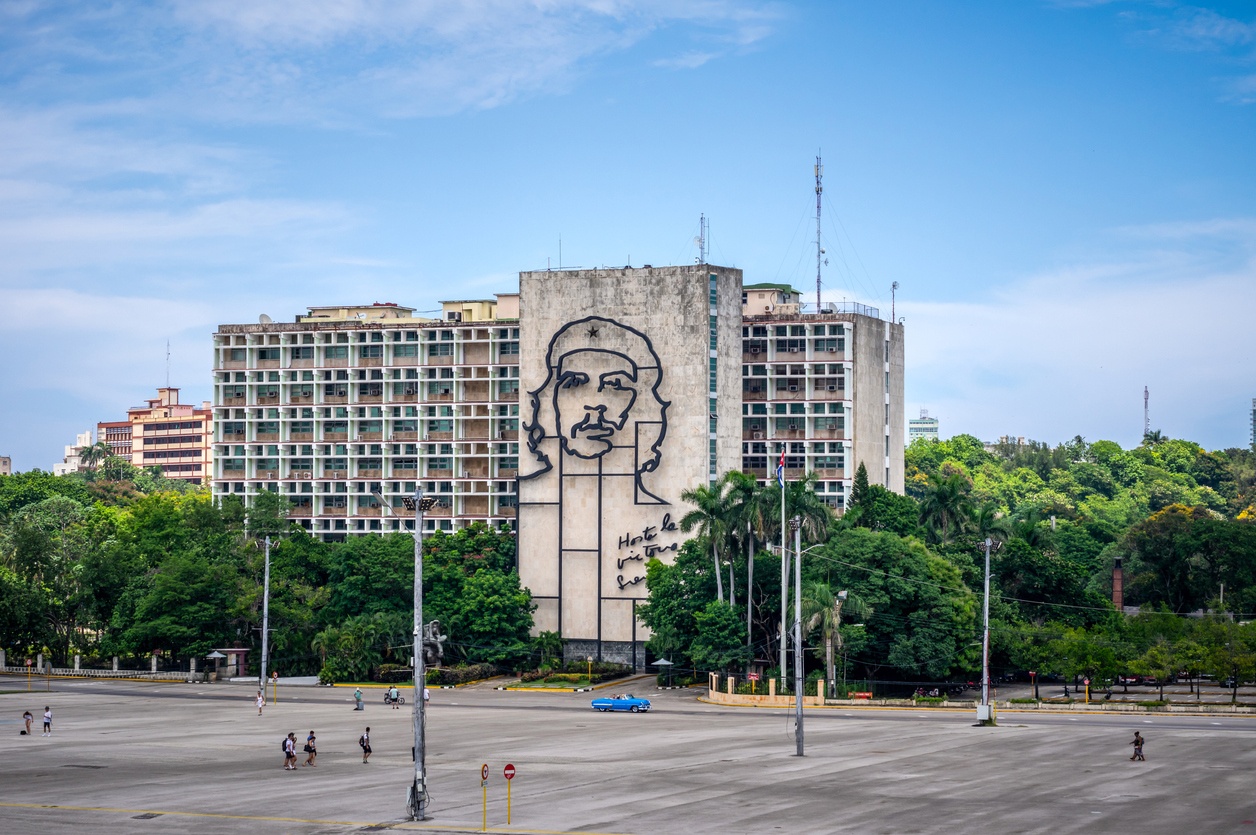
(224, 816)
(1145, 722)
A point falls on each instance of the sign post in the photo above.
(484, 788)
(28, 675)
(509, 773)
(754, 678)
(1086, 682)
(274, 685)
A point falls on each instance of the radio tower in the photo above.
(819, 249)
(702, 238)
(1146, 413)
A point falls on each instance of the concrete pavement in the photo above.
(133, 757)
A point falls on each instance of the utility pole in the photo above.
(265, 613)
(893, 300)
(780, 480)
(1146, 412)
(796, 524)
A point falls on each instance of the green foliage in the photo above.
(720, 642)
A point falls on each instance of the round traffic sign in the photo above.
(484, 772)
(1086, 682)
(509, 772)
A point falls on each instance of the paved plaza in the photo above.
(131, 757)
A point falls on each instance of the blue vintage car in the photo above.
(622, 701)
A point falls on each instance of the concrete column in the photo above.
(732, 683)
(115, 663)
(820, 690)
(193, 669)
(39, 661)
(771, 687)
(3, 660)
(77, 660)
(154, 663)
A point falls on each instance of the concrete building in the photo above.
(6, 465)
(825, 386)
(349, 404)
(172, 436)
(922, 427)
(70, 461)
(632, 397)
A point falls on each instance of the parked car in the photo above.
(1229, 683)
(622, 701)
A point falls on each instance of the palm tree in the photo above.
(92, 456)
(1027, 528)
(945, 508)
(988, 523)
(710, 518)
(822, 609)
(746, 515)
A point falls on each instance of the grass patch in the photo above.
(1155, 703)
(554, 684)
(1024, 701)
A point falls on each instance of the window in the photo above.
(264, 354)
(440, 350)
(371, 351)
(302, 353)
(509, 348)
(406, 351)
(337, 352)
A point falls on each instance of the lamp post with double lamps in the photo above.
(416, 801)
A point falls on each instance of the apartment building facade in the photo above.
(824, 386)
(347, 409)
(174, 437)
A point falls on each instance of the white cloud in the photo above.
(1068, 351)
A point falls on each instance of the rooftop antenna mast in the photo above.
(702, 239)
(1146, 413)
(893, 299)
(819, 248)
(167, 363)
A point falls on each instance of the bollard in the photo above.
(820, 691)
(39, 661)
(76, 663)
(3, 660)
(115, 663)
(154, 665)
(193, 670)
(771, 687)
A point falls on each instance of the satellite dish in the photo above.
(264, 319)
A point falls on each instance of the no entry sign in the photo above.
(508, 772)
(484, 772)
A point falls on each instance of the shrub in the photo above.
(393, 673)
(1023, 701)
(460, 675)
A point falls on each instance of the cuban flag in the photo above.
(780, 469)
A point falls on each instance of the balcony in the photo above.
(335, 398)
(335, 511)
(302, 363)
(233, 401)
(508, 511)
(370, 473)
(300, 513)
(371, 362)
(336, 474)
(232, 474)
(507, 472)
(439, 436)
(268, 474)
(405, 361)
(229, 364)
(829, 473)
(508, 396)
(301, 436)
(302, 398)
(431, 473)
(373, 510)
(440, 360)
(754, 394)
(267, 436)
(790, 434)
(829, 434)
(270, 400)
(754, 434)
(335, 436)
(370, 436)
(370, 398)
(405, 436)
(823, 393)
(411, 397)
(508, 435)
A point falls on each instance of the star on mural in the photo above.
(592, 331)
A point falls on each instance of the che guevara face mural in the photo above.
(600, 400)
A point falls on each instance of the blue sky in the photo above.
(1065, 191)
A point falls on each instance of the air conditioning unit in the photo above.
(831, 388)
(832, 350)
(793, 388)
(793, 427)
(754, 349)
(793, 350)
(758, 436)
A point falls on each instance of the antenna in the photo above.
(701, 240)
(167, 363)
(819, 249)
(893, 293)
(264, 319)
(1146, 413)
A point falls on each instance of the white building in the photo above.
(70, 462)
(922, 427)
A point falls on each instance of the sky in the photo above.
(1065, 192)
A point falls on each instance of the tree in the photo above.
(1156, 662)
(720, 642)
(95, 454)
(822, 609)
(677, 593)
(710, 518)
(859, 490)
(945, 508)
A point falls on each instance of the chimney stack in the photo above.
(1118, 586)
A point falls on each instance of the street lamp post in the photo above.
(417, 800)
(983, 712)
(795, 524)
(837, 631)
(265, 616)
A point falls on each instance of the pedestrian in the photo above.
(1138, 747)
(261, 702)
(357, 697)
(310, 749)
(47, 721)
(28, 719)
(364, 742)
(290, 752)
(394, 697)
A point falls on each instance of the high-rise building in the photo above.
(345, 410)
(174, 437)
(823, 386)
(70, 460)
(922, 427)
(349, 405)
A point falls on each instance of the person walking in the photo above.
(357, 697)
(261, 702)
(1138, 747)
(47, 721)
(364, 742)
(394, 697)
(290, 752)
(28, 719)
(311, 749)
